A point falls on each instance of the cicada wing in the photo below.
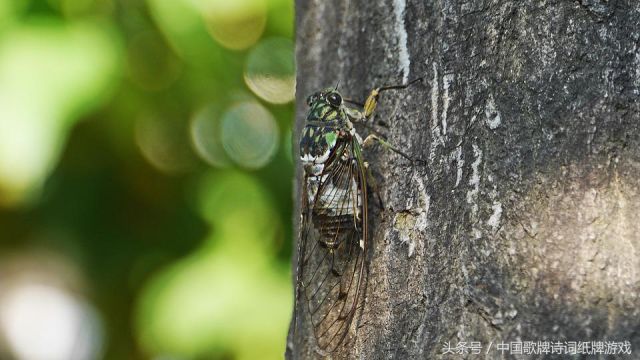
(333, 244)
(303, 235)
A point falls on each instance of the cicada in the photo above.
(334, 235)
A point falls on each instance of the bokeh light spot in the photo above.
(236, 24)
(250, 134)
(206, 134)
(270, 70)
(43, 322)
(162, 143)
(42, 313)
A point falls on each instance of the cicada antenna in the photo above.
(402, 86)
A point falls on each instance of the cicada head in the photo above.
(325, 105)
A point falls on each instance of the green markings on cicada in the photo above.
(321, 112)
(331, 137)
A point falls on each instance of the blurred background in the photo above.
(145, 178)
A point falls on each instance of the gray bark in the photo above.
(525, 223)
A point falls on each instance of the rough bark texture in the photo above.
(525, 225)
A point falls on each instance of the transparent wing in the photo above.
(333, 244)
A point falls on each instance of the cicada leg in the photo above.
(371, 181)
(368, 109)
(374, 138)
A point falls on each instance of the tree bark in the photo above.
(525, 223)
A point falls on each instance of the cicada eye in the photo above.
(334, 99)
(311, 99)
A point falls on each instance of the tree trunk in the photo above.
(525, 223)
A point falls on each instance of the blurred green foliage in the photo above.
(146, 143)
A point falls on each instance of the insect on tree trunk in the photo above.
(525, 223)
